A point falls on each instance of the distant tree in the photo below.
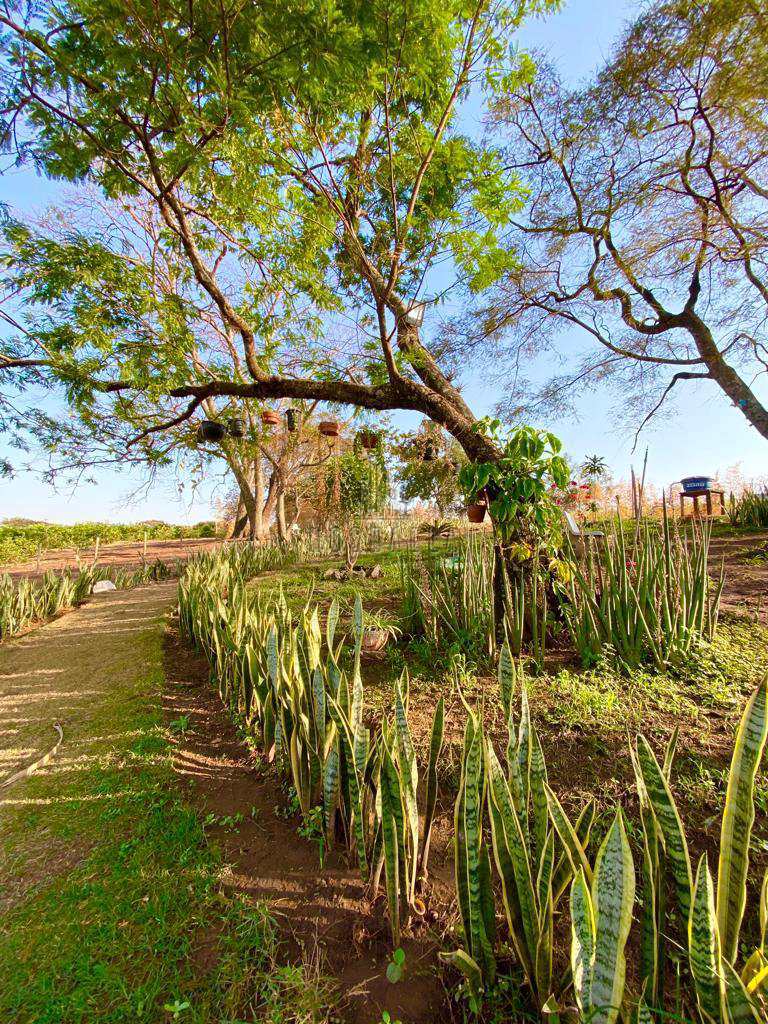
(594, 466)
(427, 467)
(647, 225)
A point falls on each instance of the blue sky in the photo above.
(704, 433)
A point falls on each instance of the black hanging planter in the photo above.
(290, 420)
(236, 427)
(429, 452)
(211, 430)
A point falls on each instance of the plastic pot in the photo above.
(211, 430)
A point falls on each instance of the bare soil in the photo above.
(745, 559)
(120, 555)
(327, 915)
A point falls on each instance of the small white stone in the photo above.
(103, 587)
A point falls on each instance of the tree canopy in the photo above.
(306, 168)
(647, 225)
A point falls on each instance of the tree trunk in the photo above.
(239, 520)
(737, 389)
(282, 529)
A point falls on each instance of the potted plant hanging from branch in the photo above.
(476, 511)
(290, 420)
(236, 427)
(369, 439)
(211, 430)
(270, 418)
(329, 428)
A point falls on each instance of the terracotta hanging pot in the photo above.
(476, 512)
(329, 428)
(236, 427)
(270, 418)
(368, 439)
(211, 430)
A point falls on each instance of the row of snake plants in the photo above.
(298, 690)
(26, 602)
(643, 597)
(540, 854)
(297, 687)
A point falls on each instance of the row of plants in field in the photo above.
(297, 688)
(750, 510)
(641, 599)
(690, 963)
(26, 602)
(22, 542)
(647, 598)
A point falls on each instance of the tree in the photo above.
(647, 226)
(428, 467)
(594, 466)
(313, 145)
(98, 276)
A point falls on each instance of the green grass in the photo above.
(116, 935)
(306, 582)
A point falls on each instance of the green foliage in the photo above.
(298, 691)
(751, 510)
(646, 600)
(28, 601)
(356, 486)
(539, 852)
(519, 485)
(446, 597)
(428, 466)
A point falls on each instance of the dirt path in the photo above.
(326, 915)
(66, 672)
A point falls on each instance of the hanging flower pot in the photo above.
(270, 418)
(428, 455)
(290, 420)
(476, 512)
(369, 439)
(236, 426)
(329, 428)
(211, 430)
